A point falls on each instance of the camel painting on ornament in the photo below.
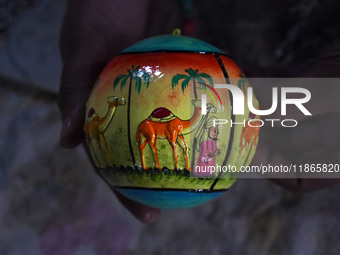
(145, 141)
(95, 127)
(163, 124)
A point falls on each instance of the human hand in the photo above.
(211, 154)
(92, 33)
(214, 153)
(314, 140)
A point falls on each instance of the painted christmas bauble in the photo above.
(161, 130)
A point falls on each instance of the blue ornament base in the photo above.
(169, 199)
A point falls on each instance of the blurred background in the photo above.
(51, 200)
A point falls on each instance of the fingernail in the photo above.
(65, 128)
(149, 217)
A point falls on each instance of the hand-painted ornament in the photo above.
(158, 128)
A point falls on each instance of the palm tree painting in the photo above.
(195, 77)
(135, 74)
(138, 76)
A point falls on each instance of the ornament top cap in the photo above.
(174, 42)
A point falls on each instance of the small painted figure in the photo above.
(208, 150)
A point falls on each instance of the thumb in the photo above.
(328, 63)
(76, 83)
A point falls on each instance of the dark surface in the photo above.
(51, 200)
